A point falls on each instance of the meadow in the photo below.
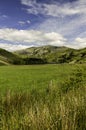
(43, 97)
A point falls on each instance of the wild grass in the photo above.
(58, 106)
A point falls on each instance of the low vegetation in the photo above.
(45, 97)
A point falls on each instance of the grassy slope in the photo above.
(7, 58)
(40, 51)
(55, 54)
(46, 97)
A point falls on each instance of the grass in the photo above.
(26, 77)
(46, 97)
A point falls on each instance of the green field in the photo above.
(43, 97)
(26, 77)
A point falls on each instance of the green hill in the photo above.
(7, 58)
(53, 54)
(44, 54)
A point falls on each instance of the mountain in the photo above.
(53, 54)
(42, 55)
(7, 58)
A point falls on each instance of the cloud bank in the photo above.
(14, 39)
(31, 36)
(12, 47)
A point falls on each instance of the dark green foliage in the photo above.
(76, 80)
(28, 61)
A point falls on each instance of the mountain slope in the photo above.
(7, 58)
(40, 51)
(54, 54)
(42, 55)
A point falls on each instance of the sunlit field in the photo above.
(43, 97)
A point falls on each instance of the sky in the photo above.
(28, 23)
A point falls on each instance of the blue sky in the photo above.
(26, 23)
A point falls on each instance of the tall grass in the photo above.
(57, 107)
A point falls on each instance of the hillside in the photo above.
(42, 55)
(7, 58)
(53, 54)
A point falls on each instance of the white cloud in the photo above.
(20, 39)
(68, 19)
(11, 47)
(31, 36)
(55, 9)
(3, 16)
(81, 42)
(64, 26)
(78, 43)
(60, 22)
(28, 38)
(28, 21)
(21, 23)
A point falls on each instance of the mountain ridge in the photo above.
(41, 55)
(54, 54)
